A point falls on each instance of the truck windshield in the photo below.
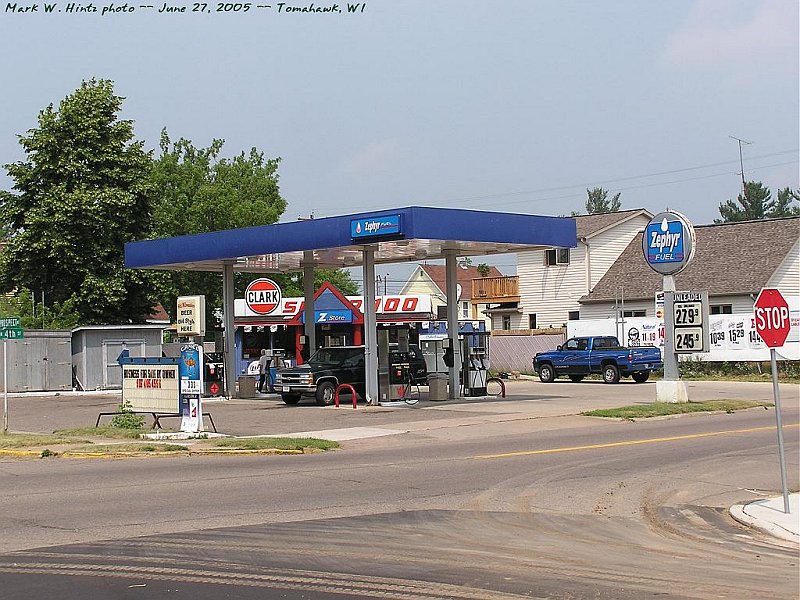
(334, 356)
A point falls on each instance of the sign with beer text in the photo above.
(191, 315)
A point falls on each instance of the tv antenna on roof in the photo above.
(741, 162)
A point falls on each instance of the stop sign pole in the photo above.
(772, 324)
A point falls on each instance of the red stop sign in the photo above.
(772, 317)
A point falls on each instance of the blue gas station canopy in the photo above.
(397, 235)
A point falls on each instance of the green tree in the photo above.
(597, 202)
(484, 270)
(785, 205)
(79, 196)
(756, 203)
(36, 315)
(195, 190)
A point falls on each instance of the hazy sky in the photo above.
(503, 105)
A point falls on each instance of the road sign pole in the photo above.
(671, 372)
(781, 453)
(5, 386)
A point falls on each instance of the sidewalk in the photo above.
(768, 516)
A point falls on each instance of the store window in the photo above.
(574, 315)
(721, 309)
(634, 313)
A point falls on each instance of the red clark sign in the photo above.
(263, 296)
(772, 317)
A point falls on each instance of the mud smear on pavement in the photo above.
(428, 555)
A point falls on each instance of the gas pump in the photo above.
(475, 365)
(393, 367)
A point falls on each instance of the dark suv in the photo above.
(329, 367)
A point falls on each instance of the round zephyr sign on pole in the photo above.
(263, 296)
(668, 243)
(772, 323)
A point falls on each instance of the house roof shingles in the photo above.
(464, 277)
(588, 225)
(730, 259)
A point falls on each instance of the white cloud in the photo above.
(719, 33)
(373, 156)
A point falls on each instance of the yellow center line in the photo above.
(632, 442)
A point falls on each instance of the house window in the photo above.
(441, 312)
(721, 309)
(506, 322)
(556, 256)
(531, 321)
(634, 313)
(465, 310)
(574, 315)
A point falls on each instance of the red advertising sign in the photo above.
(263, 296)
(772, 317)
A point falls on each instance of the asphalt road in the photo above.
(480, 500)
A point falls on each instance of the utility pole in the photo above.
(741, 161)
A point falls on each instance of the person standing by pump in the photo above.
(263, 369)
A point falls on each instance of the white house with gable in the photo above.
(552, 281)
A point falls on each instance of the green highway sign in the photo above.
(11, 333)
(7, 322)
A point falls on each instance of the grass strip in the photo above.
(277, 443)
(24, 440)
(105, 431)
(659, 409)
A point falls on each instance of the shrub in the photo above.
(127, 419)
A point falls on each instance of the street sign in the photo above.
(772, 317)
(12, 333)
(10, 322)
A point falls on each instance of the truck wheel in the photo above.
(641, 376)
(610, 374)
(576, 378)
(290, 398)
(325, 393)
(546, 373)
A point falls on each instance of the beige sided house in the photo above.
(552, 281)
(430, 279)
(732, 262)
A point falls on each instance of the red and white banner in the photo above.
(399, 304)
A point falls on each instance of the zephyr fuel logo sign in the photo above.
(668, 242)
(375, 226)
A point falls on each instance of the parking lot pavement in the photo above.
(268, 415)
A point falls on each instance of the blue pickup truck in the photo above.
(603, 355)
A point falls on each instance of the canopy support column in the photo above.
(370, 326)
(229, 331)
(310, 328)
(451, 272)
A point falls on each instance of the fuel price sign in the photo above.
(688, 314)
(690, 321)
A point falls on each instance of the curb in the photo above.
(737, 511)
(134, 454)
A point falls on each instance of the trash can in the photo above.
(247, 386)
(437, 387)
